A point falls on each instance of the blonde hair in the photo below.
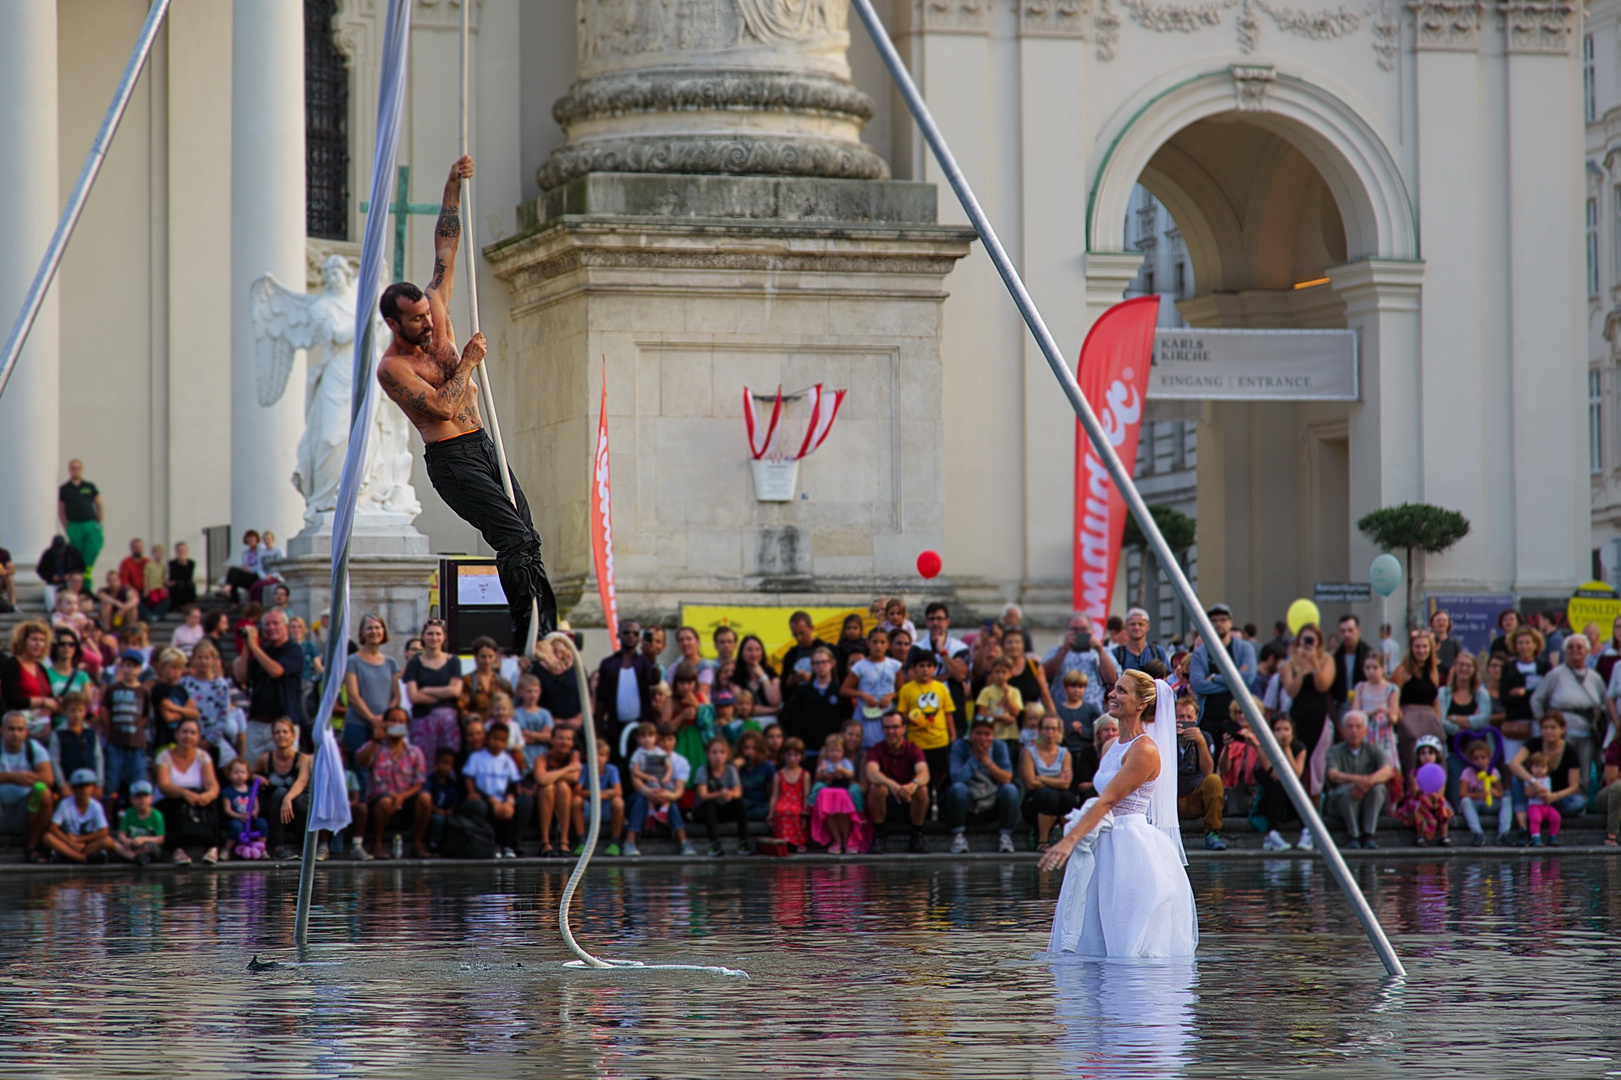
(834, 741)
(169, 656)
(1076, 677)
(1143, 690)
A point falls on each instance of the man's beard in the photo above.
(422, 339)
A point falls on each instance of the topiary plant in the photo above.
(1414, 527)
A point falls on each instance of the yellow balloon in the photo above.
(1301, 612)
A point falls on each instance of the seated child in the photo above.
(441, 795)
(1426, 814)
(790, 796)
(836, 817)
(613, 800)
(241, 805)
(1030, 729)
(1542, 809)
(140, 830)
(1480, 787)
(78, 830)
(660, 777)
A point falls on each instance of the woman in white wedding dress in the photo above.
(1125, 893)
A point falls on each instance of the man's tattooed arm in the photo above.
(450, 222)
(417, 396)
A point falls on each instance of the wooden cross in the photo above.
(400, 208)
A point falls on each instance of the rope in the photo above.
(486, 396)
(487, 402)
(586, 960)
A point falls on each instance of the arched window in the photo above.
(326, 126)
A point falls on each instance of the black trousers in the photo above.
(467, 475)
(292, 833)
(711, 813)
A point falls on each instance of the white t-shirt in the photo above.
(77, 823)
(628, 696)
(877, 678)
(1392, 653)
(1276, 699)
(491, 773)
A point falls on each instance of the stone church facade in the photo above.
(694, 196)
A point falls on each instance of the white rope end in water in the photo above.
(586, 960)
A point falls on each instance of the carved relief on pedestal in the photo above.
(1447, 24)
(1536, 26)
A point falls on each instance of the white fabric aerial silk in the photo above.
(1125, 892)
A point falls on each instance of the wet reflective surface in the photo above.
(914, 970)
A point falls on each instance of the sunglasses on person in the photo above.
(434, 622)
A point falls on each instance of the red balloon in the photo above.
(928, 564)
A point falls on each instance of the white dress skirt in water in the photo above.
(1125, 893)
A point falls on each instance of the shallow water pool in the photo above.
(922, 968)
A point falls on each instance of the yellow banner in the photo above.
(1594, 602)
(769, 624)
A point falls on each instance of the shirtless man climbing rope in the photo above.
(434, 386)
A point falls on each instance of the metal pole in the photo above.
(1123, 482)
(81, 193)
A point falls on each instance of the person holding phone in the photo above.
(1079, 651)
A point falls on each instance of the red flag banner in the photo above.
(1113, 374)
(602, 533)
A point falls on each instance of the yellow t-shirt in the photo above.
(1004, 705)
(925, 706)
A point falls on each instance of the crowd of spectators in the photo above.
(116, 749)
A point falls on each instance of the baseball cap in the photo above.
(725, 697)
(133, 656)
(81, 777)
(140, 787)
(1218, 609)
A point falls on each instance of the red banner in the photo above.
(1113, 374)
(602, 533)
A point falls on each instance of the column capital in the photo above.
(1448, 25)
(1108, 273)
(1369, 285)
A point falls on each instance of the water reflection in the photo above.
(857, 969)
(1125, 1019)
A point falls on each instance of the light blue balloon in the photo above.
(1384, 574)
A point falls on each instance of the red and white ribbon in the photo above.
(821, 420)
(757, 446)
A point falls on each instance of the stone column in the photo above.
(267, 235)
(1458, 444)
(30, 408)
(713, 86)
(1547, 300)
(1383, 305)
(713, 223)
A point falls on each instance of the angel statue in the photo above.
(323, 324)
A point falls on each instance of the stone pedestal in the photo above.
(389, 573)
(690, 288)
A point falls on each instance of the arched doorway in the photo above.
(1286, 203)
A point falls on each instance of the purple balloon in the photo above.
(1431, 778)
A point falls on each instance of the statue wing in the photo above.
(283, 323)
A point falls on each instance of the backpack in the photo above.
(467, 837)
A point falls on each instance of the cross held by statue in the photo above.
(400, 208)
